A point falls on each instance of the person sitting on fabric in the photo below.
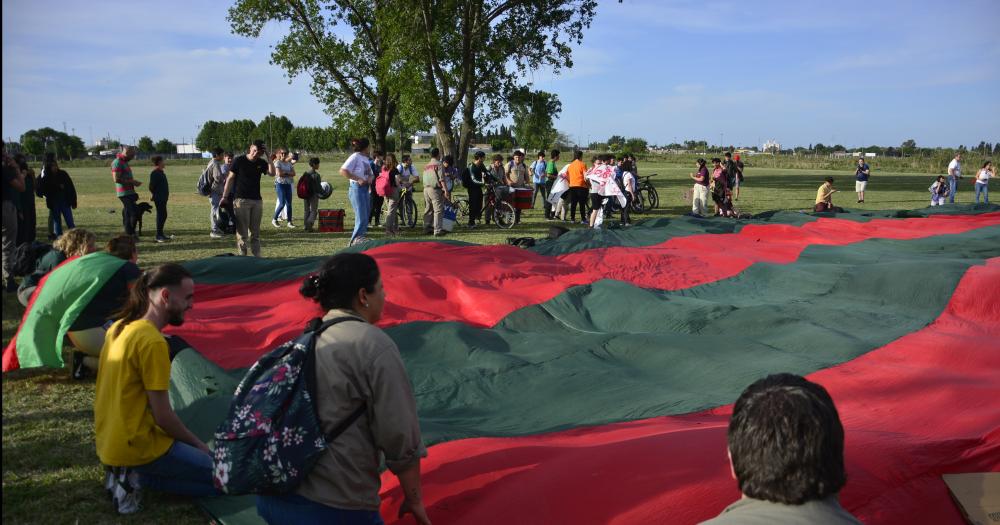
(76, 242)
(786, 452)
(75, 301)
(357, 364)
(939, 191)
(824, 196)
(138, 435)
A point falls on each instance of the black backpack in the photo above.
(272, 436)
(205, 182)
(26, 257)
(467, 177)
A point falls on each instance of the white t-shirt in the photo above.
(983, 177)
(407, 175)
(359, 167)
(283, 167)
(957, 166)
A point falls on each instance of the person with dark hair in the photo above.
(160, 190)
(435, 193)
(861, 175)
(477, 179)
(577, 187)
(217, 171)
(739, 178)
(391, 172)
(551, 174)
(357, 365)
(538, 180)
(719, 185)
(60, 197)
(786, 450)
(139, 437)
(375, 211)
(699, 195)
(358, 169)
(939, 191)
(243, 180)
(13, 185)
(982, 181)
(27, 222)
(730, 169)
(284, 179)
(311, 203)
(125, 185)
(518, 176)
(824, 196)
(87, 331)
(407, 177)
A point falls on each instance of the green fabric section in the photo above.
(67, 291)
(610, 352)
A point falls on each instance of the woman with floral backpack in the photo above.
(357, 365)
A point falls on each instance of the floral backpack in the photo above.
(272, 437)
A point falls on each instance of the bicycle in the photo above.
(461, 205)
(407, 208)
(647, 193)
(498, 209)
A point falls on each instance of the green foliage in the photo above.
(48, 140)
(145, 144)
(636, 145)
(165, 146)
(533, 114)
(234, 135)
(273, 130)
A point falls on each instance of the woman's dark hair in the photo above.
(22, 161)
(122, 246)
(716, 160)
(701, 162)
(829, 179)
(138, 298)
(359, 144)
(577, 155)
(987, 163)
(156, 159)
(337, 282)
(314, 162)
(786, 441)
(449, 159)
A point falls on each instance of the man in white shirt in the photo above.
(954, 173)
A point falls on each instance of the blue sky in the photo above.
(800, 72)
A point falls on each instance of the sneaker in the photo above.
(79, 371)
(215, 235)
(109, 481)
(162, 239)
(441, 233)
(290, 225)
(274, 222)
(126, 495)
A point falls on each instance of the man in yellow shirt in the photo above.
(824, 196)
(139, 436)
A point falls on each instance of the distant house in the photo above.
(187, 149)
(869, 155)
(423, 142)
(771, 146)
(841, 155)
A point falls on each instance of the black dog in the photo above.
(141, 209)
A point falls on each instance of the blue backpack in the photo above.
(272, 437)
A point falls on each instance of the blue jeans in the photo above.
(984, 190)
(284, 192)
(215, 199)
(57, 214)
(183, 470)
(292, 508)
(952, 187)
(361, 201)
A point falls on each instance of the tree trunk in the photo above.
(468, 126)
(445, 136)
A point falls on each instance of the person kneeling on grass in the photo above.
(824, 196)
(139, 436)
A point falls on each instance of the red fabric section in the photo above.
(10, 361)
(480, 285)
(922, 406)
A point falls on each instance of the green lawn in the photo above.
(50, 471)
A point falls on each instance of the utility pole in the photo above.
(269, 136)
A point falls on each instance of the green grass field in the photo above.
(50, 471)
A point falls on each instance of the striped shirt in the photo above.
(120, 170)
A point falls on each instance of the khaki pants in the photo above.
(699, 199)
(248, 213)
(433, 209)
(9, 240)
(312, 211)
(392, 217)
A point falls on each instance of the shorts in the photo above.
(596, 200)
(860, 185)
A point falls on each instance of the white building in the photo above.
(771, 146)
(423, 142)
(187, 149)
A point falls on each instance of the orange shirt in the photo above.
(576, 171)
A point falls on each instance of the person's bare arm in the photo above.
(413, 503)
(166, 418)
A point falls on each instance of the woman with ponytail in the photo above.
(138, 434)
(357, 365)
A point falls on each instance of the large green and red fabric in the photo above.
(60, 297)
(589, 380)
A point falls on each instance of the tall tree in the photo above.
(350, 76)
(165, 146)
(274, 131)
(533, 113)
(463, 46)
(48, 140)
(145, 144)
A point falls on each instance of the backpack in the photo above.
(205, 181)
(272, 437)
(304, 188)
(382, 183)
(26, 257)
(467, 177)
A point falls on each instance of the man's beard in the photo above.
(175, 317)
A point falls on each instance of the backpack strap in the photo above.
(317, 326)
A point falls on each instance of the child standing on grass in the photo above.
(982, 181)
(311, 203)
(161, 192)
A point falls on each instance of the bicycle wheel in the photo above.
(504, 215)
(654, 198)
(462, 208)
(638, 204)
(409, 213)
